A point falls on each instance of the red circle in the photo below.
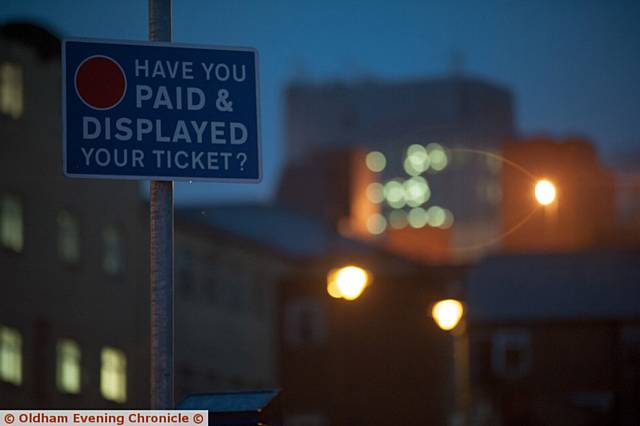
(100, 82)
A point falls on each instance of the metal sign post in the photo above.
(161, 252)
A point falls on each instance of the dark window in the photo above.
(305, 323)
(113, 255)
(511, 353)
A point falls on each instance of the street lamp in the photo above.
(545, 192)
(447, 313)
(347, 283)
(449, 316)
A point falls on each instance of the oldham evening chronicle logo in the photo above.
(137, 110)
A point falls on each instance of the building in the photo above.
(227, 309)
(559, 345)
(74, 311)
(72, 325)
(433, 144)
(377, 360)
(627, 181)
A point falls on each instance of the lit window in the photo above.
(113, 260)
(68, 366)
(68, 237)
(10, 355)
(11, 98)
(113, 375)
(11, 223)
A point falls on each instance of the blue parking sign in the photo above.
(162, 111)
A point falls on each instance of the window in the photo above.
(11, 97)
(305, 323)
(511, 353)
(68, 370)
(113, 256)
(10, 355)
(113, 375)
(68, 237)
(11, 223)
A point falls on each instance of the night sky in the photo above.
(574, 66)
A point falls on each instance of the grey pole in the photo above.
(161, 252)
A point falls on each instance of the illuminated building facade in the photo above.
(427, 144)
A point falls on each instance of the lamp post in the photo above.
(448, 314)
(545, 194)
(348, 283)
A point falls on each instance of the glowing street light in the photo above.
(347, 283)
(447, 313)
(545, 192)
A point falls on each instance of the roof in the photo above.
(44, 42)
(293, 234)
(288, 231)
(594, 285)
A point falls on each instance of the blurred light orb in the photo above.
(417, 155)
(398, 219)
(394, 193)
(332, 289)
(375, 192)
(447, 313)
(376, 224)
(416, 187)
(439, 160)
(411, 169)
(437, 216)
(397, 204)
(416, 191)
(376, 161)
(448, 219)
(545, 192)
(418, 150)
(437, 156)
(347, 283)
(418, 217)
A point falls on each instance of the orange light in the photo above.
(545, 192)
(347, 283)
(447, 313)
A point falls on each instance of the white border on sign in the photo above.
(75, 82)
(160, 44)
